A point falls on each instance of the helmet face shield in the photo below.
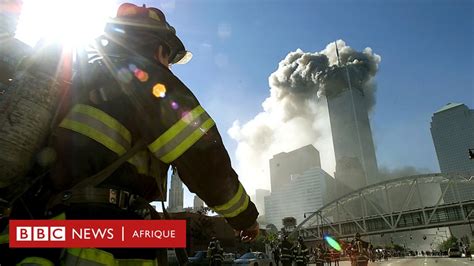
(132, 19)
(182, 58)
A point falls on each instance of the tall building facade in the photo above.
(286, 164)
(356, 163)
(260, 195)
(176, 193)
(198, 203)
(305, 192)
(452, 130)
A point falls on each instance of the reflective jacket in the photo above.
(177, 130)
(301, 253)
(286, 251)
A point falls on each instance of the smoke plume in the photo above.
(295, 113)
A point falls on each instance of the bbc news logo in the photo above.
(41, 233)
(97, 233)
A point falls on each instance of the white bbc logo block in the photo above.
(57, 233)
(23, 233)
(41, 233)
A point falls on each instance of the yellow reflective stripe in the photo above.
(175, 129)
(104, 118)
(93, 134)
(30, 261)
(238, 210)
(61, 216)
(188, 142)
(232, 201)
(4, 238)
(92, 254)
(236, 205)
(135, 262)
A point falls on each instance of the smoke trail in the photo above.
(295, 113)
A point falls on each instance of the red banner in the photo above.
(97, 233)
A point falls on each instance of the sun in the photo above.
(70, 22)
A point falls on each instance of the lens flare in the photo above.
(141, 75)
(174, 105)
(72, 22)
(333, 243)
(159, 90)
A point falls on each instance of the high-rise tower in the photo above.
(286, 164)
(176, 193)
(452, 129)
(356, 164)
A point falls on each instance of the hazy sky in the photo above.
(426, 50)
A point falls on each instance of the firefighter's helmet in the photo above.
(147, 22)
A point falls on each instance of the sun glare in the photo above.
(72, 22)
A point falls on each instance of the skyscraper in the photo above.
(198, 203)
(305, 192)
(356, 164)
(260, 195)
(452, 130)
(285, 164)
(176, 193)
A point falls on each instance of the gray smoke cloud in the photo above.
(295, 113)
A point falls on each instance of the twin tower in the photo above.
(356, 163)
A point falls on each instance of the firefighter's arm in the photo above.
(180, 132)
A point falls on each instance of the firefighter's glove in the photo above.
(249, 234)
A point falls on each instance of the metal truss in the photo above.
(394, 206)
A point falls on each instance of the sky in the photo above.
(426, 51)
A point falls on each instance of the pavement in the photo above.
(417, 261)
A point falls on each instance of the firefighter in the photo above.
(276, 255)
(319, 255)
(359, 251)
(134, 98)
(286, 251)
(301, 252)
(215, 252)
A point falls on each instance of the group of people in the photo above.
(322, 254)
(287, 252)
(359, 251)
(215, 252)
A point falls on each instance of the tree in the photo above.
(204, 210)
(448, 243)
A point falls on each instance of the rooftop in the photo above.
(448, 106)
